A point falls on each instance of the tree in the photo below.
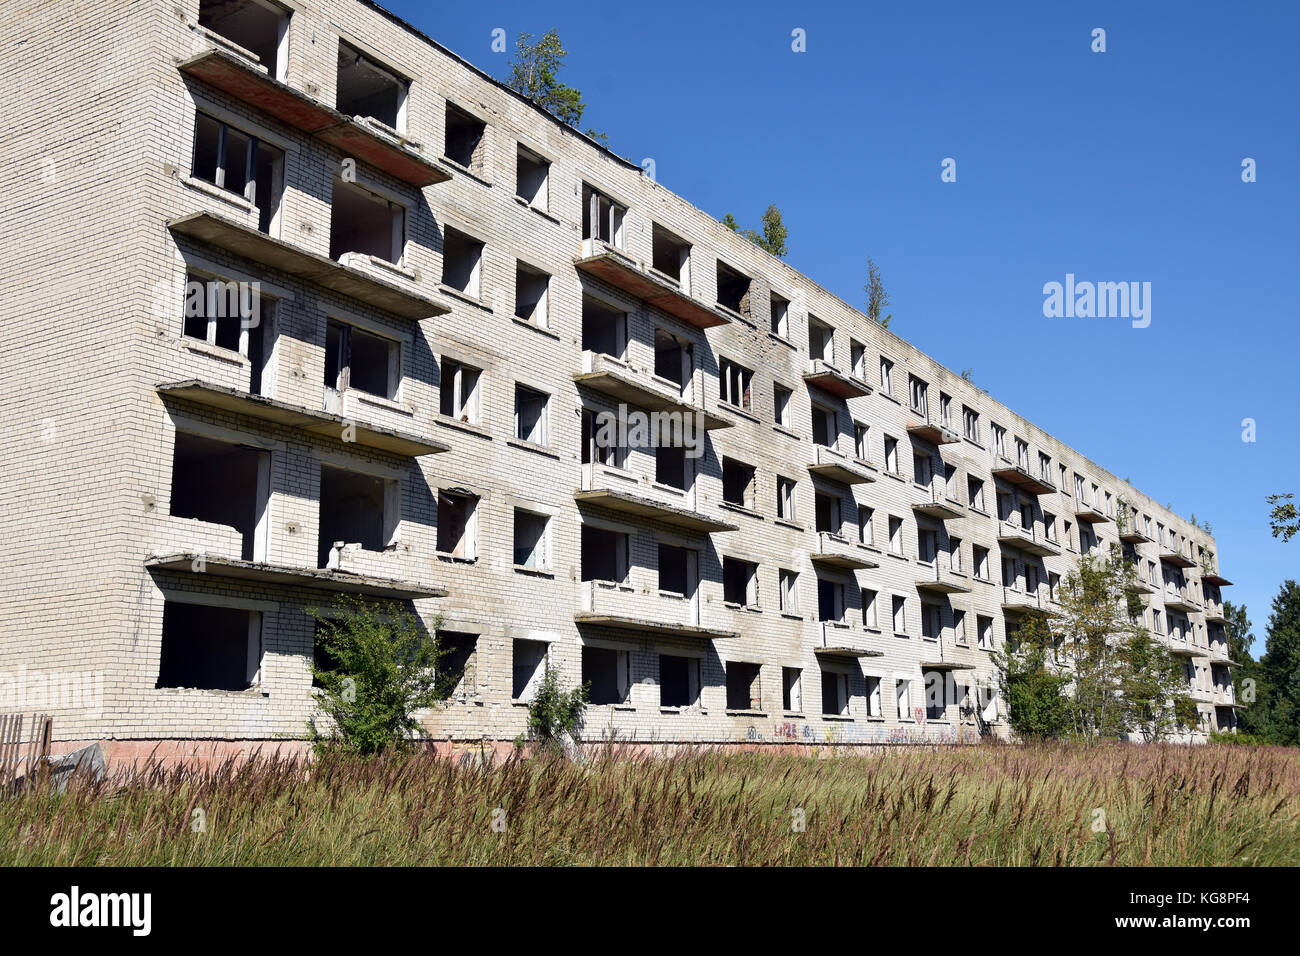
(1153, 684)
(1036, 692)
(555, 713)
(1285, 520)
(968, 375)
(535, 73)
(774, 232)
(1237, 633)
(877, 298)
(1278, 692)
(380, 668)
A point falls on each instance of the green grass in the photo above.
(988, 805)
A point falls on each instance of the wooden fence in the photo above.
(21, 754)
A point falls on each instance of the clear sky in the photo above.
(1117, 166)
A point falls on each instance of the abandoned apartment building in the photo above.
(449, 287)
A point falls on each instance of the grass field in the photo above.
(1075, 805)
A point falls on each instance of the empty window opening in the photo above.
(921, 470)
(734, 383)
(931, 621)
(824, 427)
(256, 26)
(465, 139)
(457, 667)
(781, 405)
(789, 593)
(606, 451)
(678, 570)
(367, 89)
(792, 689)
(734, 290)
(828, 512)
(870, 609)
(821, 340)
(530, 415)
(604, 329)
(670, 256)
(355, 358)
(531, 294)
(671, 467)
(211, 648)
(785, 498)
(532, 179)
(458, 524)
(531, 549)
(239, 163)
(462, 262)
(352, 511)
(609, 672)
(857, 359)
(366, 224)
(737, 483)
(220, 483)
(830, 600)
(900, 614)
(744, 686)
(835, 693)
(895, 535)
(604, 554)
(528, 664)
(672, 358)
(679, 681)
(602, 217)
(458, 391)
(230, 315)
(918, 395)
(874, 705)
(780, 315)
(739, 582)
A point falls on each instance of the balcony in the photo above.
(1170, 555)
(940, 580)
(1021, 477)
(300, 418)
(933, 501)
(1131, 534)
(1181, 648)
(615, 379)
(643, 499)
(836, 551)
(1212, 576)
(614, 268)
(834, 466)
(833, 381)
(1214, 612)
(372, 144)
(1030, 540)
(1089, 513)
(921, 425)
(838, 640)
(1016, 601)
(317, 579)
(1180, 601)
(652, 613)
(246, 242)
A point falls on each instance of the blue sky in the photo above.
(1115, 166)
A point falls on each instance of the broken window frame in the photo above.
(280, 68)
(472, 162)
(539, 433)
(540, 556)
(268, 217)
(792, 690)
(622, 659)
(401, 82)
(536, 312)
(255, 646)
(541, 194)
(466, 391)
(466, 548)
(735, 384)
(542, 649)
(343, 380)
(604, 219)
(473, 285)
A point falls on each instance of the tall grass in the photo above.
(999, 805)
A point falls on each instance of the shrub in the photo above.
(554, 712)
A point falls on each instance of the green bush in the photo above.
(554, 712)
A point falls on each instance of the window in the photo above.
(458, 524)
(529, 660)
(824, 428)
(671, 256)
(931, 621)
(744, 688)
(927, 545)
(781, 404)
(367, 89)
(239, 163)
(354, 509)
(970, 423)
(604, 555)
(866, 525)
(789, 591)
(457, 668)
(260, 27)
(984, 626)
(1045, 467)
(734, 383)
(830, 601)
(886, 376)
(458, 391)
(891, 455)
(999, 440)
(954, 554)
(785, 498)
(980, 557)
(604, 329)
(532, 299)
(896, 535)
(900, 615)
(533, 179)
(679, 681)
(835, 692)
(959, 626)
(734, 290)
(1049, 526)
(870, 610)
(917, 395)
(355, 358)
(462, 262)
(210, 648)
(217, 482)
(677, 570)
(827, 513)
(780, 314)
(532, 548)
(936, 706)
(739, 582)
(903, 688)
(602, 217)
(601, 442)
(609, 674)
(857, 359)
(821, 340)
(1010, 576)
(1022, 454)
(922, 468)
(975, 493)
(792, 690)
(862, 441)
(230, 315)
(464, 139)
(737, 483)
(531, 415)
(874, 708)
(671, 466)
(945, 410)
